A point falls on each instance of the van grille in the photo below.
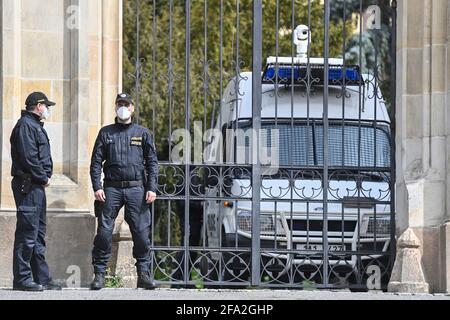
(317, 225)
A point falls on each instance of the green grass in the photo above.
(197, 278)
(309, 285)
(112, 280)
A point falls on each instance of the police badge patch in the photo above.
(136, 141)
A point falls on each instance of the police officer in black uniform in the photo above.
(127, 154)
(32, 168)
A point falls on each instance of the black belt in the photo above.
(123, 184)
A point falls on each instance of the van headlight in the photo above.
(244, 223)
(380, 225)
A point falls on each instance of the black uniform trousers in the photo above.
(137, 215)
(29, 244)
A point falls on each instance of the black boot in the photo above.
(30, 286)
(99, 281)
(145, 281)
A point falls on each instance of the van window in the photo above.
(302, 144)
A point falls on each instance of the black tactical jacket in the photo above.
(30, 149)
(127, 153)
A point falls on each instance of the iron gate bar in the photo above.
(277, 51)
(187, 151)
(205, 95)
(171, 74)
(325, 142)
(393, 128)
(375, 117)
(154, 65)
(138, 58)
(153, 102)
(291, 156)
(171, 80)
(361, 102)
(237, 93)
(344, 94)
(220, 123)
(308, 114)
(256, 112)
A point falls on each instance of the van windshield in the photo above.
(350, 145)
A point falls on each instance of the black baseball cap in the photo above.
(38, 97)
(125, 97)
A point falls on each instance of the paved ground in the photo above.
(181, 294)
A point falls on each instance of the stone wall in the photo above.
(423, 127)
(71, 50)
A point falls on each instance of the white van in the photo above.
(292, 207)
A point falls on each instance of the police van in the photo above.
(291, 212)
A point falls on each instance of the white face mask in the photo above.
(123, 113)
(45, 114)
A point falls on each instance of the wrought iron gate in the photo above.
(293, 186)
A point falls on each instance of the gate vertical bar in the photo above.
(393, 128)
(153, 253)
(138, 60)
(256, 172)
(188, 149)
(325, 142)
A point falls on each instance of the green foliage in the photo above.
(309, 285)
(160, 276)
(112, 280)
(197, 278)
(374, 51)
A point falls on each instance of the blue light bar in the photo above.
(285, 73)
(336, 74)
(298, 73)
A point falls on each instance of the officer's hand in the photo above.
(47, 184)
(100, 195)
(151, 197)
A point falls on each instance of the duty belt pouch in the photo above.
(25, 184)
(98, 208)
